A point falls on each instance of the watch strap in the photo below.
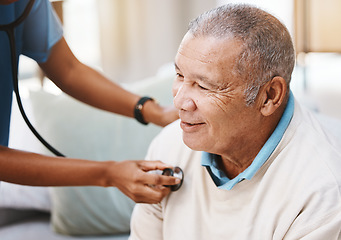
(138, 109)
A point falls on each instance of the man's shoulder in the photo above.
(172, 131)
(168, 146)
(313, 148)
(171, 134)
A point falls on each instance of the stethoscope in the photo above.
(175, 172)
(9, 29)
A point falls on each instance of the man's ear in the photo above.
(273, 95)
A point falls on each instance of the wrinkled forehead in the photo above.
(208, 49)
(209, 57)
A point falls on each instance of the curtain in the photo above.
(139, 36)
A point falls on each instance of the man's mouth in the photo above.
(190, 126)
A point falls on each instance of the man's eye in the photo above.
(203, 88)
(178, 75)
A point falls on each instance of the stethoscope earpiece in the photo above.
(175, 172)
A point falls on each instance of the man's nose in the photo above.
(183, 99)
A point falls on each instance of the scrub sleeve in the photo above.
(33, 38)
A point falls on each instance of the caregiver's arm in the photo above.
(91, 87)
(130, 177)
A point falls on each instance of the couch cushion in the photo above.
(80, 131)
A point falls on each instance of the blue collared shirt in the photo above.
(209, 160)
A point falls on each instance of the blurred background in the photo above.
(129, 40)
(134, 43)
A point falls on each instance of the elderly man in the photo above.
(268, 169)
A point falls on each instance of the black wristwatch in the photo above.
(138, 109)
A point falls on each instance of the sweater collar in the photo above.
(209, 160)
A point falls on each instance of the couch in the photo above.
(79, 131)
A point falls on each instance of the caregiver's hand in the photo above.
(159, 115)
(133, 179)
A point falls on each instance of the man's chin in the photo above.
(192, 142)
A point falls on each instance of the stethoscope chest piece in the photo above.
(175, 172)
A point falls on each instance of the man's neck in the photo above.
(236, 161)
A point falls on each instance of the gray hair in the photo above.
(267, 52)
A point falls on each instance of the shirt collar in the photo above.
(208, 160)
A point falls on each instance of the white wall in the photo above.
(138, 36)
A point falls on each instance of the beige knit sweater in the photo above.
(294, 195)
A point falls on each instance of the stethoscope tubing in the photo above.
(9, 29)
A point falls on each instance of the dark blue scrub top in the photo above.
(33, 38)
